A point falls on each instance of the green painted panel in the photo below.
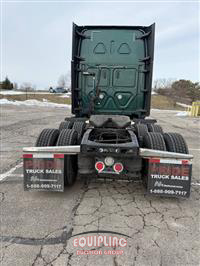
(117, 54)
(109, 46)
(119, 60)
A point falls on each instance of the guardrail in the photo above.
(194, 110)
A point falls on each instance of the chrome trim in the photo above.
(54, 149)
(144, 153)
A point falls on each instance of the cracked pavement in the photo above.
(37, 228)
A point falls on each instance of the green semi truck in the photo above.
(109, 134)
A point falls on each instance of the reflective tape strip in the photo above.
(174, 161)
(169, 161)
(27, 155)
(186, 162)
(43, 155)
(154, 160)
(58, 156)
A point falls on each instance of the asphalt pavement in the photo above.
(38, 228)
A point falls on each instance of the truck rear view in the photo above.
(112, 70)
(108, 136)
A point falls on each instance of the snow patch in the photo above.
(183, 105)
(164, 110)
(34, 103)
(66, 95)
(183, 113)
(10, 92)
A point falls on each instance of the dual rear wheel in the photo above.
(71, 132)
(78, 126)
(151, 136)
(172, 142)
(175, 143)
(53, 137)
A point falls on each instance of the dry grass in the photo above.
(49, 97)
(164, 102)
(157, 101)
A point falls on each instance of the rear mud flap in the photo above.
(168, 177)
(44, 173)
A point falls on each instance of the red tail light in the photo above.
(118, 167)
(99, 166)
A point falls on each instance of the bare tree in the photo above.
(62, 81)
(26, 86)
(15, 86)
(163, 83)
(69, 80)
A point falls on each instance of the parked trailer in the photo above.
(109, 135)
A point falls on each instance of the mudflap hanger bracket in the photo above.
(72, 150)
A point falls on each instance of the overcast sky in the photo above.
(36, 37)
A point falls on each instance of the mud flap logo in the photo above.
(169, 179)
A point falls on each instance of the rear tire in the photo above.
(69, 137)
(79, 128)
(47, 137)
(65, 125)
(154, 141)
(141, 130)
(155, 128)
(175, 143)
